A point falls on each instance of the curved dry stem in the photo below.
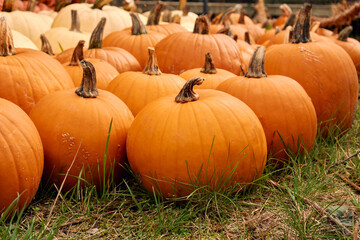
(97, 35)
(45, 45)
(187, 93)
(152, 67)
(209, 66)
(75, 21)
(31, 5)
(345, 33)
(155, 14)
(6, 39)
(290, 21)
(138, 27)
(242, 17)
(202, 25)
(226, 29)
(226, 15)
(78, 54)
(285, 9)
(302, 26)
(256, 68)
(88, 87)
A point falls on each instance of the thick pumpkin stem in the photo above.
(290, 21)
(202, 25)
(226, 15)
(285, 9)
(256, 67)
(345, 33)
(155, 14)
(46, 46)
(242, 17)
(78, 54)
(88, 87)
(75, 21)
(226, 29)
(97, 35)
(152, 67)
(302, 26)
(209, 66)
(138, 27)
(187, 93)
(8, 5)
(99, 4)
(6, 39)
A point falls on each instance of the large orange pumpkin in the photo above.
(282, 105)
(27, 74)
(78, 131)
(179, 52)
(323, 69)
(135, 40)
(21, 156)
(121, 59)
(209, 139)
(137, 89)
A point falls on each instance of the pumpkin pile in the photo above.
(185, 109)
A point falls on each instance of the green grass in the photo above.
(263, 210)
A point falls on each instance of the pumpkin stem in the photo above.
(302, 26)
(8, 5)
(290, 21)
(226, 29)
(46, 46)
(78, 54)
(61, 4)
(256, 67)
(176, 19)
(247, 38)
(345, 33)
(285, 9)
(185, 11)
(31, 5)
(97, 35)
(99, 4)
(155, 13)
(88, 87)
(6, 39)
(226, 15)
(187, 93)
(138, 27)
(242, 17)
(202, 25)
(152, 67)
(314, 26)
(209, 66)
(166, 17)
(75, 21)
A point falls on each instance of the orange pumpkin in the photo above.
(76, 137)
(135, 40)
(105, 72)
(137, 89)
(121, 59)
(27, 74)
(212, 75)
(171, 154)
(179, 52)
(282, 105)
(21, 157)
(323, 69)
(286, 12)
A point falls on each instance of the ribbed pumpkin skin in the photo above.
(21, 156)
(178, 138)
(283, 108)
(137, 89)
(30, 75)
(352, 47)
(76, 120)
(105, 72)
(137, 45)
(212, 80)
(327, 74)
(121, 59)
(167, 28)
(179, 52)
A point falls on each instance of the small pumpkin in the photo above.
(171, 154)
(137, 89)
(76, 137)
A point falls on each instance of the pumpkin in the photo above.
(350, 45)
(286, 13)
(282, 105)
(121, 59)
(76, 137)
(65, 37)
(105, 72)
(212, 75)
(21, 41)
(91, 14)
(131, 86)
(135, 40)
(171, 154)
(179, 52)
(21, 157)
(27, 74)
(323, 69)
(268, 35)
